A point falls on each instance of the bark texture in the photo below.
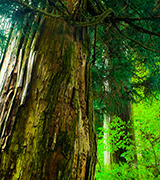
(47, 121)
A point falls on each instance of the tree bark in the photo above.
(47, 119)
(107, 154)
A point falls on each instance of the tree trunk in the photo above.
(125, 116)
(107, 155)
(47, 122)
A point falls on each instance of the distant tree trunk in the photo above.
(107, 155)
(120, 107)
(125, 116)
(46, 111)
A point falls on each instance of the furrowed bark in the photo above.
(47, 124)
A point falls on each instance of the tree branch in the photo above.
(100, 19)
(56, 7)
(64, 7)
(140, 29)
(38, 10)
(136, 42)
(126, 19)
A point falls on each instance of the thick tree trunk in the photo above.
(47, 122)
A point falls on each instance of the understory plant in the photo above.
(146, 146)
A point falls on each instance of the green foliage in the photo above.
(117, 135)
(119, 172)
(147, 143)
(147, 128)
(121, 49)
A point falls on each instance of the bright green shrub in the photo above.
(146, 117)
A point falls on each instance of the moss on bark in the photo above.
(54, 137)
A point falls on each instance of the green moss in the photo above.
(60, 29)
(30, 147)
(63, 73)
(67, 29)
(68, 57)
(67, 143)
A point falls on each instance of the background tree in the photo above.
(126, 59)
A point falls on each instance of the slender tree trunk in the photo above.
(107, 155)
(47, 121)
